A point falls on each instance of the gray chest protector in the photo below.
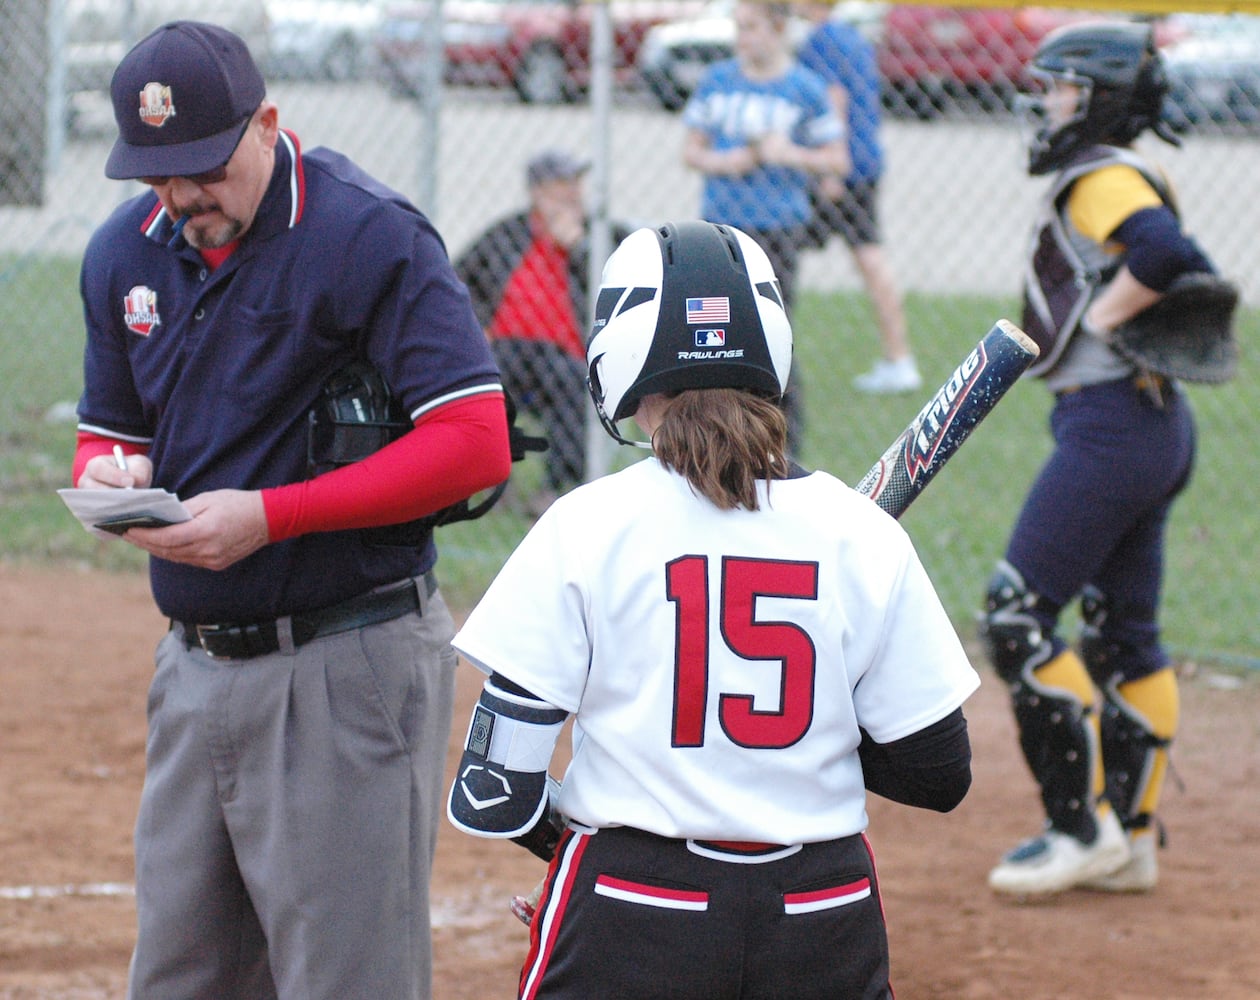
(1066, 269)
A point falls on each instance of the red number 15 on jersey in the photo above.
(789, 645)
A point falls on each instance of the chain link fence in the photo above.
(955, 203)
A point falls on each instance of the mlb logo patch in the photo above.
(710, 338)
(715, 309)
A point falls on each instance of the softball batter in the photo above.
(746, 647)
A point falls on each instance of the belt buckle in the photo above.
(1152, 385)
(206, 634)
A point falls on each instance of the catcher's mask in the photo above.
(689, 305)
(1119, 82)
(357, 415)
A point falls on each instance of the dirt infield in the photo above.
(75, 656)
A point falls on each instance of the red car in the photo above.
(932, 58)
(541, 48)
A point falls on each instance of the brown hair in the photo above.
(777, 13)
(780, 14)
(723, 441)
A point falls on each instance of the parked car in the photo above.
(931, 58)
(322, 39)
(541, 48)
(99, 33)
(935, 58)
(675, 55)
(1213, 63)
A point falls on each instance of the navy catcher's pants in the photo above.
(1098, 510)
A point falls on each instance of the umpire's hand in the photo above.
(226, 526)
(102, 472)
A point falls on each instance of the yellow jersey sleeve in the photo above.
(1102, 200)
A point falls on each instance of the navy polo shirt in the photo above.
(216, 370)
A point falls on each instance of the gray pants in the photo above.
(289, 815)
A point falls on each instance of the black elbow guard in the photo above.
(502, 788)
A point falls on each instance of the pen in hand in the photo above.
(120, 460)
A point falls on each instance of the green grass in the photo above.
(41, 355)
(960, 525)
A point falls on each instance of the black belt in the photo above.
(241, 641)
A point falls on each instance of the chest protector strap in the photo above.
(357, 415)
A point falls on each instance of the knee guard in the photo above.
(1139, 717)
(1053, 701)
(1118, 641)
(1014, 635)
(502, 788)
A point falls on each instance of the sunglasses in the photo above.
(215, 175)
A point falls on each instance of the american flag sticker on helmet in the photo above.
(715, 309)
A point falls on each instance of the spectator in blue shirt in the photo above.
(846, 205)
(759, 126)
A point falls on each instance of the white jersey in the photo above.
(720, 662)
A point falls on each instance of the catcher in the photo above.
(1123, 303)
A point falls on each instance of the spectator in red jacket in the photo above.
(527, 275)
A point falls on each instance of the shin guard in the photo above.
(1139, 720)
(1139, 715)
(1053, 698)
(1059, 734)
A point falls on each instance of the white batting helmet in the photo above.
(690, 305)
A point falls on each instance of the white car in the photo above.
(322, 39)
(1213, 65)
(98, 33)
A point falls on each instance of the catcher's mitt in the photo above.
(1188, 334)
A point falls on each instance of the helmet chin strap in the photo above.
(613, 432)
(1165, 131)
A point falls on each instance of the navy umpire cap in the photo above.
(183, 97)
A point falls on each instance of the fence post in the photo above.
(598, 444)
(23, 82)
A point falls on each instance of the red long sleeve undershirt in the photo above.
(462, 449)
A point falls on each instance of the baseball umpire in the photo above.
(300, 709)
(743, 645)
(1108, 245)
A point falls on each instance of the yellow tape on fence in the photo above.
(1128, 6)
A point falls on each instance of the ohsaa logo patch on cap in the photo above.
(156, 104)
(140, 311)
